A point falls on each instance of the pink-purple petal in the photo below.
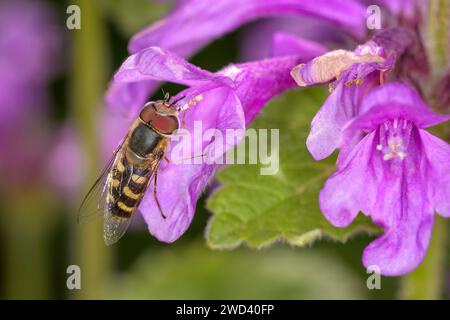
(180, 184)
(178, 196)
(404, 211)
(340, 107)
(351, 188)
(195, 23)
(257, 39)
(396, 100)
(136, 77)
(402, 248)
(289, 44)
(225, 100)
(258, 82)
(437, 156)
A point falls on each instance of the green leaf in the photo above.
(194, 272)
(261, 209)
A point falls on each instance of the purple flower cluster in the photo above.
(389, 167)
(30, 45)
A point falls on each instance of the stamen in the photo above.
(394, 138)
(191, 102)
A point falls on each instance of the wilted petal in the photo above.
(330, 66)
(195, 23)
(377, 54)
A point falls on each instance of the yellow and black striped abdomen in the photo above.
(127, 187)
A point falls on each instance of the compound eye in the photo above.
(148, 113)
(165, 124)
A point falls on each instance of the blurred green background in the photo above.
(40, 237)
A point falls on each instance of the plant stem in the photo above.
(438, 35)
(89, 81)
(426, 282)
(26, 226)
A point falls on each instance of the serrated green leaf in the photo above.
(259, 210)
(194, 272)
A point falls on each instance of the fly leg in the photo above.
(183, 120)
(165, 157)
(181, 161)
(155, 182)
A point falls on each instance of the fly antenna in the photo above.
(166, 95)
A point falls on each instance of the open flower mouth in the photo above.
(394, 138)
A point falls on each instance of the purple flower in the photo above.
(388, 166)
(27, 26)
(193, 24)
(30, 44)
(272, 36)
(66, 153)
(355, 73)
(228, 99)
(398, 174)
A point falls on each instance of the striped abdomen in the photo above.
(133, 168)
(127, 187)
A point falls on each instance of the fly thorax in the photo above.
(143, 140)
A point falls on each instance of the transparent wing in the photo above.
(114, 228)
(94, 203)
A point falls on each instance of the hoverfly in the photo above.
(124, 181)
